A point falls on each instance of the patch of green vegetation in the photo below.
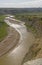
(33, 22)
(3, 28)
(33, 29)
(2, 18)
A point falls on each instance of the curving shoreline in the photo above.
(10, 41)
(15, 57)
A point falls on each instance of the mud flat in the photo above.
(10, 41)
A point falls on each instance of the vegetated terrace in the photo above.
(3, 28)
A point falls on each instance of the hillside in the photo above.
(32, 22)
(34, 25)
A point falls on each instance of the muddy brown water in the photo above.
(15, 57)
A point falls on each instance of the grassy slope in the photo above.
(33, 21)
(3, 27)
(34, 24)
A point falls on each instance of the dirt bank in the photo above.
(10, 41)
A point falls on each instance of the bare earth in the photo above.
(10, 41)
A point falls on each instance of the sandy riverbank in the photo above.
(10, 41)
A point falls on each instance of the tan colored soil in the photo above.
(10, 41)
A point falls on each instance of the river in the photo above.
(15, 57)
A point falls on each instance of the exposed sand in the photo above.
(10, 41)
